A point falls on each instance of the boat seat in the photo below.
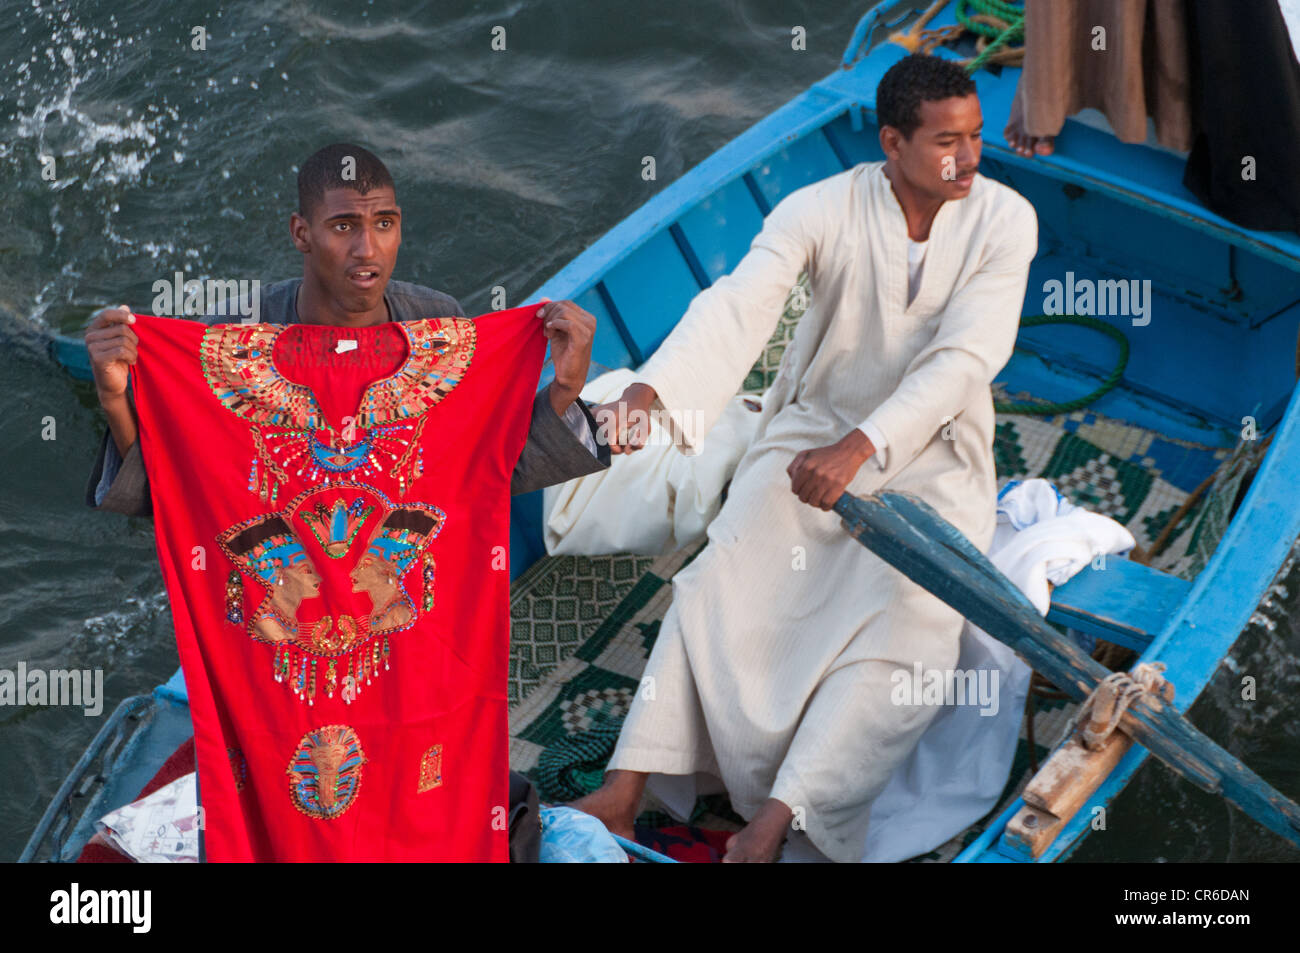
(1125, 602)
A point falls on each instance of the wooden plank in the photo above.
(804, 161)
(1123, 602)
(1055, 794)
(608, 348)
(721, 227)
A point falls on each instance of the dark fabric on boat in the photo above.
(1246, 95)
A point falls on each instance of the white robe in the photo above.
(677, 496)
(772, 669)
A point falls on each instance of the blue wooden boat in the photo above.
(1215, 363)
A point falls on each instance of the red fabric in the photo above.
(289, 535)
(685, 843)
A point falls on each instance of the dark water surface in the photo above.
(507, 165)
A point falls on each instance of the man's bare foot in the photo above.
(759, 842)
(615, 802)
(1024, 143)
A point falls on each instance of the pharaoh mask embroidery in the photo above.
(325, 771)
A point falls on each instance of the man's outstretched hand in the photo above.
(819, 477)
(570, 331)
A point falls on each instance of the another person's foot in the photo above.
(1022, 142)
(612, 805)
(759, 842)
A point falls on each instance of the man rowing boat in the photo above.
(773, 668)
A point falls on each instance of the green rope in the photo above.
(1046, 409)
(1003, 10)
(1013, 15)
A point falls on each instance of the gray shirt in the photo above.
(558, 448)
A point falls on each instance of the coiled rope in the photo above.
(996, 23)
(1051, 409)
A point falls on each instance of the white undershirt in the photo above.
(915, 260)
(915, 263)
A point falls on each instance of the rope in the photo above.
(1049, 409)
(1101, 712)
(917, 39)
(997, 23)
(1003, 10)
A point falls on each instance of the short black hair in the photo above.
(917, 79)
(324, 170)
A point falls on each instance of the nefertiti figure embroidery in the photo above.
(389, 554)
(267, 549)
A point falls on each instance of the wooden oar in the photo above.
(908, 534)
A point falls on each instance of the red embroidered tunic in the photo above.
(332, 515)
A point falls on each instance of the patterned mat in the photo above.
(583, 626)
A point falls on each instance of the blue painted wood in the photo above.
(688, 253)
(1222, 599)
(880, 19)
(980, 850)
(651, 290)
(808, 112)
(609, 347)
(174, 689)
(526, 532)
(70, 352)
(1032, 374)
(803, 161)
(721, 227)
(854, 146)
(764, 206)
(1122, 601)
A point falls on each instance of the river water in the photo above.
(508, 163)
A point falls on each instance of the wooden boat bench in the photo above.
(1118, 600)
